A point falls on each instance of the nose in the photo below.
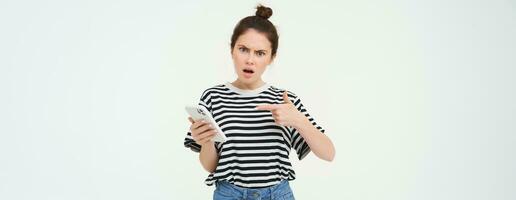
(250, 59)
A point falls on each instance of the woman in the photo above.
(262, 122)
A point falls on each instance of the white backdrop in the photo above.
(418, 96)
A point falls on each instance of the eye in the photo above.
(260, 53)
(242, 49)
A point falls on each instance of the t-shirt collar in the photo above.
(258, 90)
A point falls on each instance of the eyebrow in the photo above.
(241, 45)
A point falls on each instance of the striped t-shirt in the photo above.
(256, 153)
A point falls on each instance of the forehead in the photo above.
(253, 39)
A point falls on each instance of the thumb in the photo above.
(285, 98)
(191, 120)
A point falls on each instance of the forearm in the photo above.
(318, 142)
(209, 157)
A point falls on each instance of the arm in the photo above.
(318, 142)
(202, 133)
(208, 156)
(286, 114)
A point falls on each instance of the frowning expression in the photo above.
(251, 55)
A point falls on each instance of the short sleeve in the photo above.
(205, 101)
(298, 142)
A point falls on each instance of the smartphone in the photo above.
(199, 112)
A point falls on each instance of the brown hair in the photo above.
(260, 23)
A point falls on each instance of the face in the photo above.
(251, 55)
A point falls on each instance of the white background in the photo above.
(417, 96)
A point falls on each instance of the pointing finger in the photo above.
(269, 107)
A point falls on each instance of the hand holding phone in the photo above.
(202, 131)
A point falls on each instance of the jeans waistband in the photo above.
(274, 190)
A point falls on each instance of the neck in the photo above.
(248, 86)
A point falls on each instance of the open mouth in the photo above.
(248, 71)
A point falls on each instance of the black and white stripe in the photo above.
(256, 153)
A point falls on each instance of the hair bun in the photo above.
(263, 12)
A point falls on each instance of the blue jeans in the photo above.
(227, 191)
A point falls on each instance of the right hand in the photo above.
(202, 132)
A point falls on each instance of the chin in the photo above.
(244, 80)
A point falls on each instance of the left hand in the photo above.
(285, 114)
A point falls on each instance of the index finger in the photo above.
(269, 107)
(196, 124)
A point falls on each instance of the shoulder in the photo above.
(278, 91)
(219, 88)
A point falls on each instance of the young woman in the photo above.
(262, 122)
